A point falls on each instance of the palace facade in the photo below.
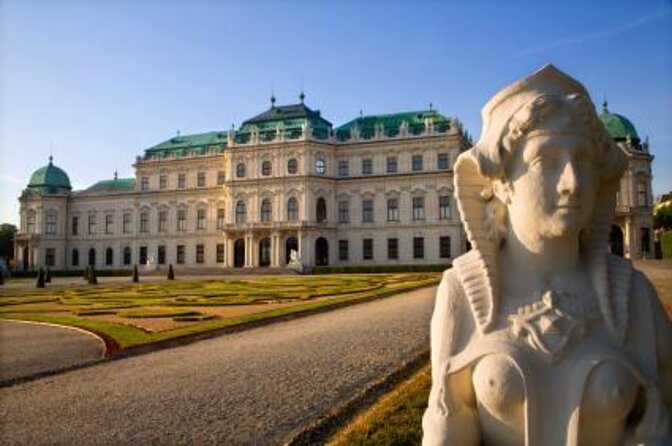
(376, 190)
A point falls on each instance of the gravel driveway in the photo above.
(27, 349)
(253, 387)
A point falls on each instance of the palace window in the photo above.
(180, 255)
(92, 223)
(418, 208)
(181, 219)
(126, 223)
(163, 221)
(161, 251)
(292, 209)
(109, 256)
(220, 252)
(344, 212)
(143, 255)
(144, 222)
(342, 250)
(92, 257)
(241, 212)
(392, 248)
(418, 247)
(444, 247)
(75, 225)
(181, 180)
(367, 211)
(266, 168)
(444, 207)
(30, 223)
(343, 168)
(392, 164)
(200, 219)
(220, 218)
(321, 211)
(266, 210)
(642, 196)
(367, 249)
(416, 163)
(392, 209)
(367, 166)
(144, 183)
(200, 253)
(163, 182)
(50, 257)
(292, 166)
(50, 224)
(443, 161)
(200, 179)
(75, 257)
(240, 170)
(109, 223)
(127, 256)
(221, 177)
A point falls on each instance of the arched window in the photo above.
(292, 166)
(321, 210)
(75, 257)
(92, 257)
(266, 210)
(266, 168)
(241, 212)
(292, 209)
(127, 256)
(109, 256)
(240, 170)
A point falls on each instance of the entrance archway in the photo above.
(616, 240)
(291, 244)
(265, 252)
(321, 252)
(239, 253)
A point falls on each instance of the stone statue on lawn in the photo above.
(539, 336)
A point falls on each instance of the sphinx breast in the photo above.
(610, 392)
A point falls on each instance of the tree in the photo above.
(136, 277)
(40, 278)
(171, 273)
(662, 218)
(7, 232)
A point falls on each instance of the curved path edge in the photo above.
(113, 350)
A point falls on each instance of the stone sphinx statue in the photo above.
(539, 336)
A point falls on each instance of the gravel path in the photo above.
(253, 387)
(27, 349)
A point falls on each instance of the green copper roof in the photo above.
(113, 185)
(392, 122)
(288, 116)
(183, 144)
(49, 178)
(618, 126)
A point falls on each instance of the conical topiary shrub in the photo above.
(47, 275)
(40, 278)
(171, 273)
(136, 276)
(93, 277)
(87, 272)
(2, 278)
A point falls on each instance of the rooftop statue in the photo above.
(539, 336)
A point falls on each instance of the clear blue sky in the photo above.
(103, 81)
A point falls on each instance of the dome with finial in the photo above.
(619, 127)
(50, 178)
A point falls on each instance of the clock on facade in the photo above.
(320, 166)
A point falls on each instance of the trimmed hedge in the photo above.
(368, 269)
(73, 273)
(666, 244)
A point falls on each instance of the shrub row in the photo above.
(73, 273)
(666, 244)
(367, 269)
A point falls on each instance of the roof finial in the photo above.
(177, 133)
(302, 96)
(361, 113)
(115, 175)
(431, 106)
(51, 152)
(604, 104)
(272, 97)
(51, 159)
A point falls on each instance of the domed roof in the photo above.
(49, 177)
(618, 126)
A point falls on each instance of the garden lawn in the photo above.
(134, 314)
(396, 418)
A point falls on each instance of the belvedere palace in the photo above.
(287, 186)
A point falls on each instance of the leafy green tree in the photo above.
(7, 232)
(662, 218)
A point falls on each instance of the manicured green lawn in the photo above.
(140, 313)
